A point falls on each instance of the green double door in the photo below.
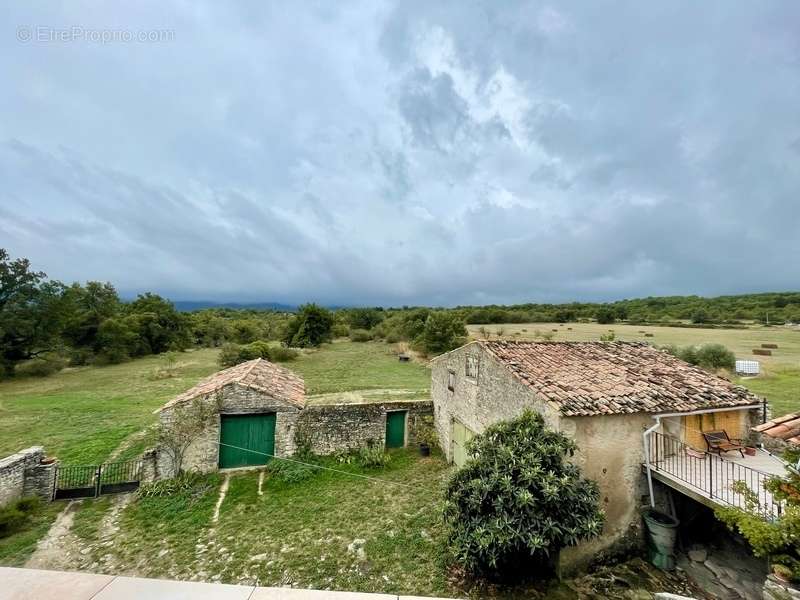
(246, 440)
(396, 429)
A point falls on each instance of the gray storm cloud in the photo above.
(402, 153)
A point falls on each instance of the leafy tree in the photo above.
(364, 318)
(605, 315)
(159, 326)
(116, 341)
(700, 316)
(88, 307)
(442, 332)
(518, 500)
(310, 327)
(32, 312)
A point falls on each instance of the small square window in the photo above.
(451, 381)
(471, 367)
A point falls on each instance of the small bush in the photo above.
(372, 456)
(393, 337)
(187, 483)
(229, 355)
(716, 356)
(253, 350)
(41, 367)
(79, 357)
(290, 472)
(360, 335)
(608, 337)
(340, 330)
(281, 354)
(17, 514)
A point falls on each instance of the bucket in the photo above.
(662, 530)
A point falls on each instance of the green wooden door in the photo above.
(459, 436)
(246, 432)
(396, 429)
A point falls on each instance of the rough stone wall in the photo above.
(611, 452)
(12, 472)
(494, 395)
(333, 427)
(40, 481)
(234, 399)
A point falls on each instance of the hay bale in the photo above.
(773, 346)
(762, 352)
(649, 335)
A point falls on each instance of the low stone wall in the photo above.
(13, 471)
(330, 428)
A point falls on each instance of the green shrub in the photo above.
(41, 367)
(17, 514)
(372, 456)
(290, 472)
(79, 357)
(442, 332)
(518, 500)
(688, 354)
(282, 354)
(340, 330)
(254, 350)
(190, 483)
(230, 355)
(605, 315)
(360, 335)
(29, 504)
(716, 356)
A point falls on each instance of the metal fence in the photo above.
(712, 476)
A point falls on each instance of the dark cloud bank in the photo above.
(406, 153)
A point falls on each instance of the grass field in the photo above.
(332, 531)
(780, 379)
(82, 415)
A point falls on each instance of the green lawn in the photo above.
(780, 378)
(371, 366)
(296, 533)
(83, 414)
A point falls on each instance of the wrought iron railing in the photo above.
(712, 476)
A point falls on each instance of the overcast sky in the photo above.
(408, 152)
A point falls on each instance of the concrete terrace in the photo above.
(34, 584)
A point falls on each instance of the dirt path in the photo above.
(56, 548)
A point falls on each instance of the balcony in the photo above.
(709, 478)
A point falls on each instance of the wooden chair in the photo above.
(719, 442)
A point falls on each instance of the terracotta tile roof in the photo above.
(258, 374)
(597, 378)
(786, 428)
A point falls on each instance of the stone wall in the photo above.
(234, 399)
(493, 395)
(12, 473)
(333, 427)
(330, 427)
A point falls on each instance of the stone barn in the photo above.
(604, 395)
(260, 410)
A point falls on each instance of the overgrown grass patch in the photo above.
(16, 548)
(333, 530)
(781, 386)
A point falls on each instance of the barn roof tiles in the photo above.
(598, 378)
(259, 374)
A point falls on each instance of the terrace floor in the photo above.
(710, 479)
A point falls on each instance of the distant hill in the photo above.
(190, 305)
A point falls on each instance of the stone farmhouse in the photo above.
(262, 411)
(605, 396)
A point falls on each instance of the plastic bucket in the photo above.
(662, 531)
